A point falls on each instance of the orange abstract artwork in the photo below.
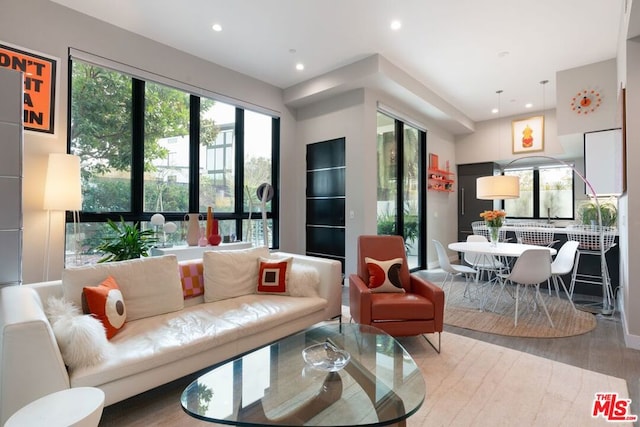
(527, 137)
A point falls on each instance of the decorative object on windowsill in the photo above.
(325, 357)
(168, 228)
(202, 241)
(213, 235)
(157, 220)
(494, 221)
(128, 243)
(193, 228)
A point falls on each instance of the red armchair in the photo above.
(417, 311)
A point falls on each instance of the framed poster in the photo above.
(39, 85)
(528, 135)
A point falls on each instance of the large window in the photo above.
(546, 192)
(148, 148)
(401, 183)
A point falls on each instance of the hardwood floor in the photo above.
(601, 350)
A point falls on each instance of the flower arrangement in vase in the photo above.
(494, 220)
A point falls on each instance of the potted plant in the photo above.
(130, 242)
(588, 213)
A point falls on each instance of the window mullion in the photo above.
(194, 153)
(137, 149)
(239, 170)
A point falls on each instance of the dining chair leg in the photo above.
(564, 287)
(515, 323)
(544, 306)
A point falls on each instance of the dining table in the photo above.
(504, 251)
(500, 249)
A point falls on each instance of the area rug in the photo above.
(471, 383)
(474, 383)
(462, 310)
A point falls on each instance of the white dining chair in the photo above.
(452, 270)
(530, 269)
(564, 264)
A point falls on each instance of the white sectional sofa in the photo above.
(163, 338)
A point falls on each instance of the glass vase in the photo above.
(494, 235)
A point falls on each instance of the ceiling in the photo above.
(463, 51)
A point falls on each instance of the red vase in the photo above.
(215, 239)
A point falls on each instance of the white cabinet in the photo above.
(11, 84)
(603, 161)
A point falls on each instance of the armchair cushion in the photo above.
(384, 276)
(389, 307)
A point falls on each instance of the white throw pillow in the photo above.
(231, 273)
(81, 338)
(150, 286)
(303, 280)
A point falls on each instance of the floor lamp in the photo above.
(62, 192)
(498, 187)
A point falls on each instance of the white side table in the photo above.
(77, 407)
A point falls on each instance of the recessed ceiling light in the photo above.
(299, 66)
(216, 27)
(528, 105)
(495, 111)
(396, 25)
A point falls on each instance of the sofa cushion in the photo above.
(170, 338)
(106, 303)
(150, 286)
(231, 273)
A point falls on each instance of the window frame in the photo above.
(137, 212)
(537, 191)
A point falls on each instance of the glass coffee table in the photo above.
(274, 386)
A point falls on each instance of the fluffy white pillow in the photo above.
(303, 280)
(231, 273)
(150, 286)
(81, 338)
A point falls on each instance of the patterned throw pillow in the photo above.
(105, 302)
(384, 276)
(273, 275)
(192, 277)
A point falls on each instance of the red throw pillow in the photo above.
(272, 275)
(384, 276)
(105, 302)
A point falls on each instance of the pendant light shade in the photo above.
(498, 187)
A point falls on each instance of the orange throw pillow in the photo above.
(105, 302)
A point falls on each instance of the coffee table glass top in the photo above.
(273, 385)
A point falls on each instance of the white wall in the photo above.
(492, 141)
(353, 116)
(600, 77)
(59, 28)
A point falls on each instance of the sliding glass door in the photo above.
(401, 185)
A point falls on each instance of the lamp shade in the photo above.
(62, 191)
(498, 187)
